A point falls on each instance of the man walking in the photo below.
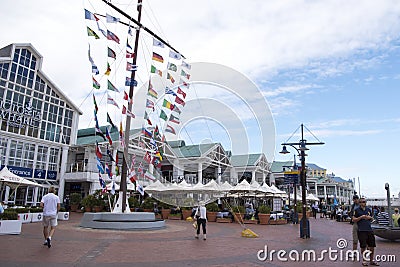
(355, 206)
(363, 217)
(51, 205)
(201, 215)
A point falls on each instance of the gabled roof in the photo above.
(176, 143)
(192, 150)
(277, 166)
(245, 160)
(88, 136)
(312, 166)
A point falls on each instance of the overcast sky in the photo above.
(332, 65)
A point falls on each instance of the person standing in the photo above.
(383, 217)
(201, 215)
(51, 205)
(363, 217)
(396, 218)
(355, 206)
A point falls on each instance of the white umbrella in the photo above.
(312, 197)
(157, 186)
(225, 187)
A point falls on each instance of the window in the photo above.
(3, 150)
(41, 157)
(15, 156)
(53, 160)
(28, 155)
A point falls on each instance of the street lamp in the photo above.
(301, 149)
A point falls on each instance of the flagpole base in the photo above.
(118, 205)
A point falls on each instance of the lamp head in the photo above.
(284, 150)
(303, 146)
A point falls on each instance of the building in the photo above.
(38, 123)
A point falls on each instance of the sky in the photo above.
(330, 65)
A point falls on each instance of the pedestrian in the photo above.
(363, 217)
(383, 217)
(67, 203)
(314, 208)
(51, 205)
(201, 215)
(1, 207)
(396, 218)
(354, 206)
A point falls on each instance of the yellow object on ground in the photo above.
(249, 233)
(189, 219)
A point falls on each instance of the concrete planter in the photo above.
(279, 221)
(63, 216)
(264, 218)
(25, 217)
(37, 217)
(10, 227)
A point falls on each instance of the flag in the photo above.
(102, 182)
(110, 121)
(158, 43)
(130, 29)
(109, 154)
(91, 32)
(130, 82)
(90, 15)
(99, 155)
(179, 101)
(111, 87)
(101, 30)
(152, 93)
(100, 166)
(176, 109)
(157, 57)
(130, 54)
(108, 136)
(147, 157)
(149, 104)
(111, 36)
(95, 70)
(170, 129)
(95, 104)
(140, 189)
(131, 67)
(174, 119)
(132, 176)
(169, 77)
(108, 171)
(153, 69)
(156, 131)
(186, 65)
(156, 162)
(128, 45)
(97, 127)
(126, 97)
(133, 161)
(184, 74)
(168, 104)
(153, 143)
(149, 176)
(146, 117)
(113, 188)
(158, 154)
(111, 53)
(174, 55)
(183, 83)
(140, 169)
(96, 85)
(127, 112)
(181, 92)
(169, 91)
(172, 66)
(147, 133)
(121, 135)
(163, 115)
(111, 19)
(116, 166)
(108, 69)
(111, 101)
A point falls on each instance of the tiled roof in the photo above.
(88, 136)
(192, 150)
(245, 160)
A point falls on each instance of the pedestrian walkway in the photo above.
(175, 245)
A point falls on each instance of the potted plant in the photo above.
(88, 202)
(148, 204)
(238, 212)
(37, 214)
(9, 223)
(264, 214)
(133, 203)
(212, 209)
(98, 205)
(166, 210)
(75, 199)
(186, 212)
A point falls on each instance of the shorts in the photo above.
(50, 221)
(355, 234)
(366, 239)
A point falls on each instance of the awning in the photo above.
(13, 180)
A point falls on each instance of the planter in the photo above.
(10, 227)
(238, 217)
(88, 209)
(264, 218)
(211, 216)
(175, 217)
(97, 208)
(25, 217)
(37, 217)
(74, 207)
(165, 213)
(158, 216)
(250, 221)
(224, 220)
(186, 214)
(278, 221)
(63, 216)
(148, 210)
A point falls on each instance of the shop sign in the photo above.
(20, 116)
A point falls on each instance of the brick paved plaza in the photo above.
(175, 245)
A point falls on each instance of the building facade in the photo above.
(38, 123)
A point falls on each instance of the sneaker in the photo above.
(204, 238)
(45, 243)
(196, 237)
(49, 242)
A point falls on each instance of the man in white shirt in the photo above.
(51, 205)
(201, 215)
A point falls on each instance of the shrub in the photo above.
(239, 209)
(9, 214)
(36, 209)
(133, 202)
(212, 207)
(263, 209)
(75, 198)
(22, 210)
(89, 201)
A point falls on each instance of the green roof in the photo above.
(277, 166)
(245, 160)
(192, 150)
(88, 136)
(176, 143)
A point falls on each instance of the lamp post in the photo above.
(301, 149)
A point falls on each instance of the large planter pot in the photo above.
(279, 221)
(211, 216)
(97, 208)
(10, 227)
(37, 217)
(74, 207)
(25, 217)
(186, 214)
(175, 217)
(165, 213)
(88, 209)
(63, 216)
(264, 218)
(238, 217)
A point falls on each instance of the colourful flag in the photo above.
(128, 45)
(176, 109)
(95, 70)
(149, 104)
(110, 121)
(184, 74)
(170, 129)
(169, 91)
(130, 29)
(108, 171)
(111, 87)
(183, 83)
(157, 57)
(168, 104)
(172, 66)
(130, 82)
(131, 67)
(152, 93)
(90, 15)
(147, 157)
(174, 119)
(91, 32)
(96, 85)
(140, 189)
(126, 97)
(158, 43)
(108, 69)
(111, 101)
(127, 112)
(116, 166)
(132, 176)
(179, 101)
(174, 55)
(146, 117)
(140, 169)
(156, 131)
(169, 77)
(147, 133)
(155, 70)
(121, 135)
(163, 115)
(158, 154)
(111, 19)
(108, 136)
(111, 53)
(186, 65)
(100, 166)
(111, 36)
(130, 54)
(109, 154)
(102, 182)
(149, 176)
(99, 154)
(156, 162)
(95, 104)
(133, 161)
(181, 92)
(113, 188)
